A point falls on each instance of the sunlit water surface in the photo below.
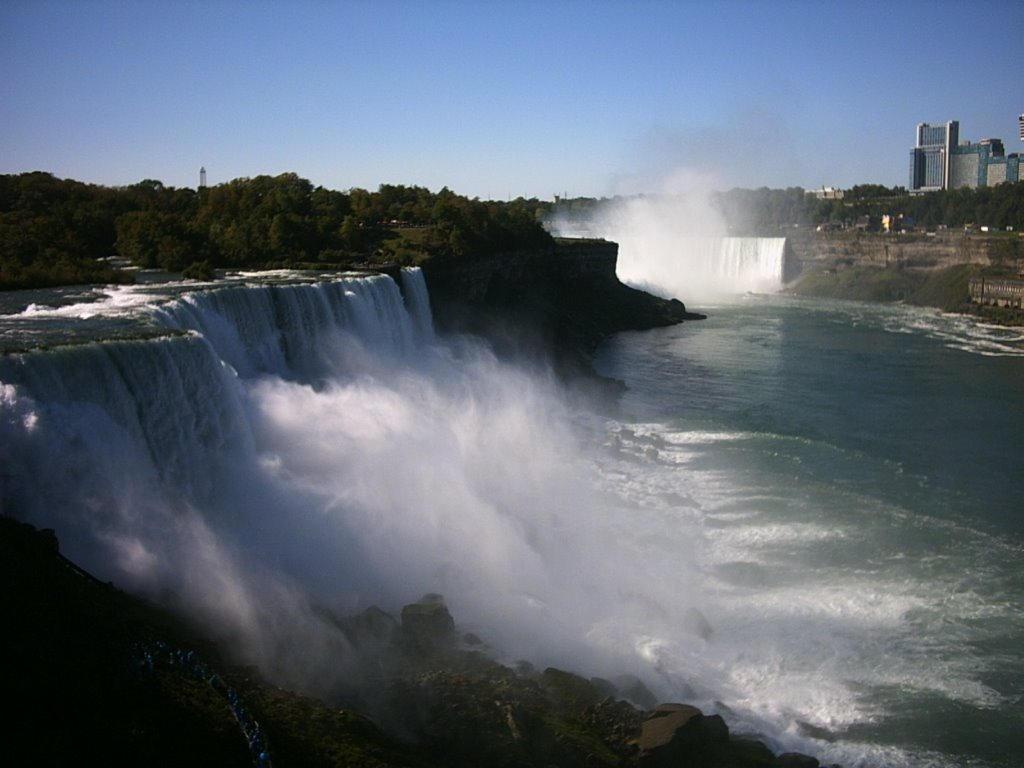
(856, 476)
(805, 516)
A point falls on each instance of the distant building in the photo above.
(984, 164)
(939, 161)
(829, 193)
(930, 158)
(996, 291)
(892, 222)
(1020, 122)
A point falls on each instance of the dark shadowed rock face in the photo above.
(97, 677)
(675, 733)
(681, 736)
(559, 301)
(427, 626)
(797, 760)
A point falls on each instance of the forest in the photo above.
(60, 231)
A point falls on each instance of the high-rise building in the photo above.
(940, 161)
(931, 157)
(971, 164)
(1020, 122)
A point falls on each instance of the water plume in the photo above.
(676, 243)
(303, 451)
(269, 457)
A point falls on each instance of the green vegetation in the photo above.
(763, 210)
(945, 289)
(862, 284)
(55, 231)
(94, 676)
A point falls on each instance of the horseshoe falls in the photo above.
(676, 246)
(803, 515)
(704, 268)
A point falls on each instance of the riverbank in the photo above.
(553, 305)
(94, 675)
(920, 269)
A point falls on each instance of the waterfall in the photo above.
(748, 263)
(87, 427)
(702, 268)
(275, 453)
(293, 331)
(116, 439)
(418, 301)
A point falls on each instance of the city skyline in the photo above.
(498, 100)
(943, 159)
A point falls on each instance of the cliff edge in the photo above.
(926, 269)
(560, 301)
(94, 676)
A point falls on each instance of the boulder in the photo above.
(679, 734)
(569, 690)
(427, 626)
(797, 760)
(371, 630)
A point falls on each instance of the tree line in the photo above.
(60, 231)
(764, 210)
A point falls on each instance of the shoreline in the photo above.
(141, 679)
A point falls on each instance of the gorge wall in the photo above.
(565, 298)
(931, 270)
(810, 251)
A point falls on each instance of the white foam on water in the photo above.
(342, 456)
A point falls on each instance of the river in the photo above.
(803, 515)
(855, 475)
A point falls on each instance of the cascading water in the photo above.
(703, 268)
(674, 245)
(292, 330)
(748, 263)
(149, 455)
(262, 454)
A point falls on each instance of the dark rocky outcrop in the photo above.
(553, 303)
(681, 736)
(808, 251)
(428, 628)
(673, 733)
(925, 269)
(93, 676)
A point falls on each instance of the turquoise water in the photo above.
(857, 473)
(804, 516)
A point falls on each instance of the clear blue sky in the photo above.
(498, 99)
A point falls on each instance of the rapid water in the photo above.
(805, 516)
(854, 475)
(703, 267)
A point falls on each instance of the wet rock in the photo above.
(679, 734)
(427, 626)
(569, 690)
(797, 760)
(372, 629)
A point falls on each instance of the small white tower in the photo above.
(202, 178)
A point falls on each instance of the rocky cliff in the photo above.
(559, 301)
(926, 269)
(809, 251)
(95, 677)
